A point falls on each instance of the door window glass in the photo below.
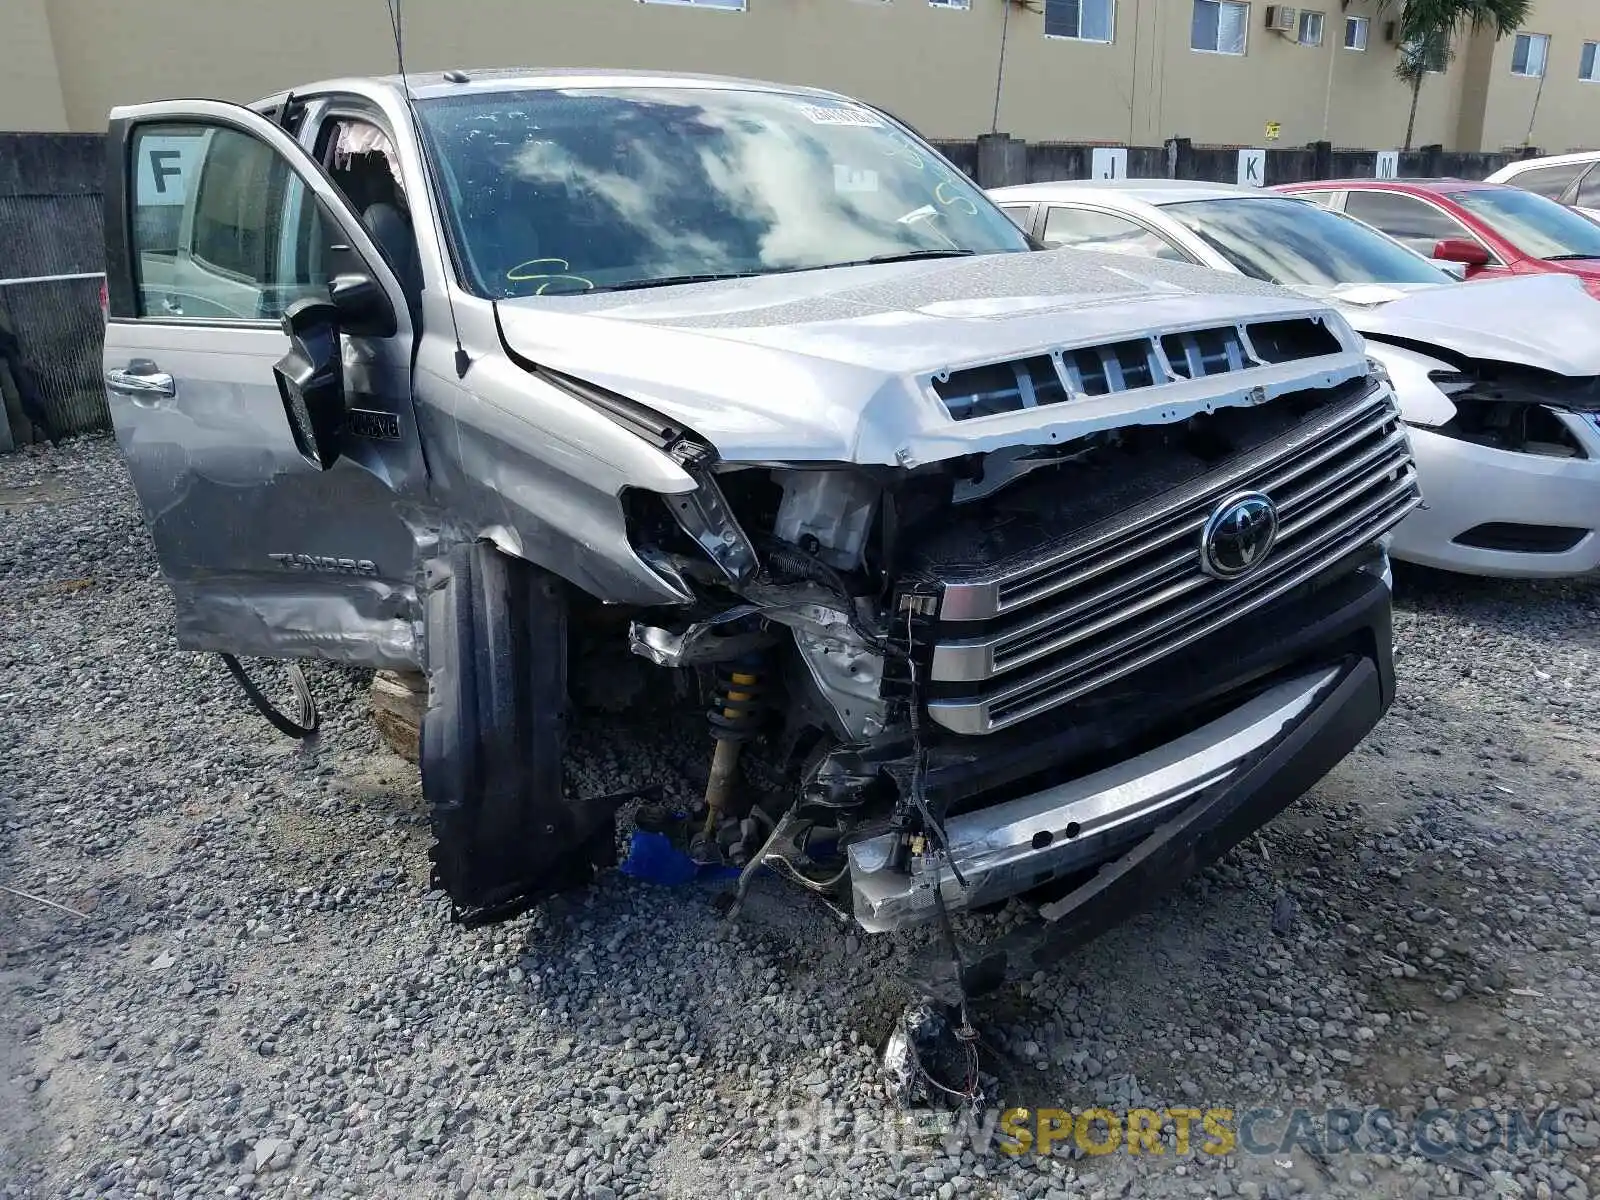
(1547, 181)
(1589, 190)
(1321, 199)
(1538, 227)
(1418, 225)
(1085, 229)
(222, 226)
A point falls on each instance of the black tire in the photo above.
(493, 736)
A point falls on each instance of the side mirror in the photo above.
(1456, 270)
(311, 380)
(363, 307)
(1461, 250)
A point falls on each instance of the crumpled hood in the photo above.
(1546, 321)
(833, 364)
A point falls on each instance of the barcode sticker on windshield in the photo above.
(818, 115)
(850, 179)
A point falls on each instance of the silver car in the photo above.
(1499, 381)
(1012, 565)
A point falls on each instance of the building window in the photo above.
(724, 5)
(1219, 26)
(949, 3)
(1310, 28)
(1355, 33)
(1529, 54)
(1589, 64)
(1085, 20)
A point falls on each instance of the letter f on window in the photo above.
(160, 171)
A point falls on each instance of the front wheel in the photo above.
(493, 737)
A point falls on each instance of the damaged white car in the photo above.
(1499, 381)
(1019, 568)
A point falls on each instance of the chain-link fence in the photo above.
(52, 255)
(51, 332)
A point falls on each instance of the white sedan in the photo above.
(1570, 179)
(1499, 382)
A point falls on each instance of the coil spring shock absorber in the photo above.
(735, 717)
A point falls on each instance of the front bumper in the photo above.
(1275, 749)
(999, 851)
(1466, 486)
(1071, 790)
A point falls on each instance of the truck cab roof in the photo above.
(427, 85)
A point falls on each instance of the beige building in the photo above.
(1115, 71)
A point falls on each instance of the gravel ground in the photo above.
(257, 994)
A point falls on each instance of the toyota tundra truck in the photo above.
(1035, 576)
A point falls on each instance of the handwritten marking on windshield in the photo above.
(522, 274)
(947, 191)
(948, 197)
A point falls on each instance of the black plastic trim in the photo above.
(661, 432)
(1512, 538)
(121, 301)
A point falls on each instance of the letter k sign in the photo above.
(1253, 168)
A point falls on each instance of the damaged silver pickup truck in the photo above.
(1035, 574)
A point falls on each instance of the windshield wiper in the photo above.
(711, 277)
(908, 256)
(1569, 257)
(670, 280)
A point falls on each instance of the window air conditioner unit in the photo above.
(1282, 19)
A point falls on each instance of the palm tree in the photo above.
(1428, 29)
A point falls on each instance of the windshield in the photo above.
(1297, 243)
(551, 191)
(1534, 224)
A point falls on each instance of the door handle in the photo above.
(142, 383)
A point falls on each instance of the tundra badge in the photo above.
(323, 562)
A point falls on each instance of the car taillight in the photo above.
(105, 302)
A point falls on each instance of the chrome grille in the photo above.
(1127, 592)
(1130, 365)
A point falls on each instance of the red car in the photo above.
(1493, 228)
